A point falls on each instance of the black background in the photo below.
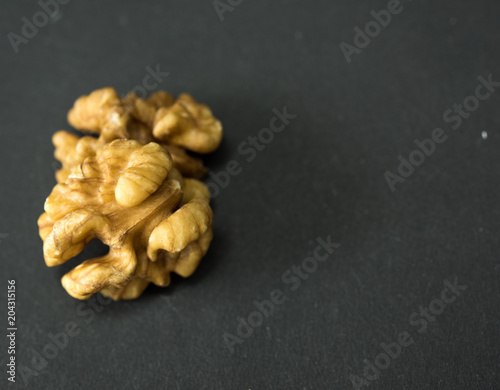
(323, 175)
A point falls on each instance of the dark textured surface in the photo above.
(323, 175)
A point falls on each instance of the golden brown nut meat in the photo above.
(131, 198)
(91, 112)
(71, 151)
(189, 124)
(176, 125)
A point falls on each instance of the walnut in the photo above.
(127, 189)
(175, 125)
(91, 112)
(71, 151)
(188, 124)
(130, 197)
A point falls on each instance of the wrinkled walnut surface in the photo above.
(176, 125)
(131, 198)
(135, 188)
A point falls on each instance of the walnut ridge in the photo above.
(135, 188)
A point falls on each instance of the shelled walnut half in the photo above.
(131, 198)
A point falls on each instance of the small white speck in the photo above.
(484, 134)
